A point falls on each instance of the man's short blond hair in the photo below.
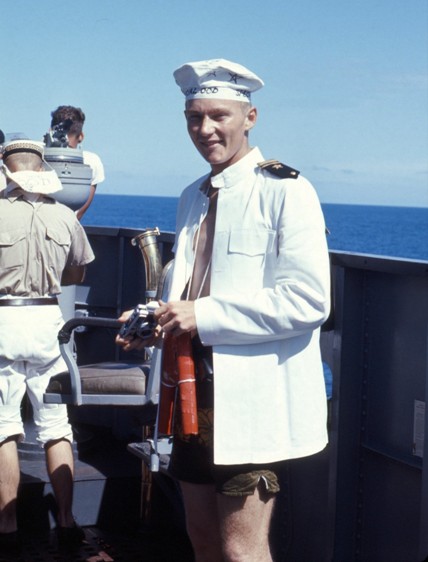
(23, 161)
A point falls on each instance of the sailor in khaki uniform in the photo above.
(42, 245)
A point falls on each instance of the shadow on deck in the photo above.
(107, 504)
(102, 546)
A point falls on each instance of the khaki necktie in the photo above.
(200, 285)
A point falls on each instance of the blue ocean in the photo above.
(387, 231)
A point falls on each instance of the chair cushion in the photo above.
(104, 378)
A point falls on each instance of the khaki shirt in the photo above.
(37, 242)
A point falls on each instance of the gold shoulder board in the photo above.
(277, 169)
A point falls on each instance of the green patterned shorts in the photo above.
(192, 457)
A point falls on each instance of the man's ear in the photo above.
(251, 118)
(80, 137)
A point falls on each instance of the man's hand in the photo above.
(176, 317)
(130, 343)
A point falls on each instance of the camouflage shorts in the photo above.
(192, 461)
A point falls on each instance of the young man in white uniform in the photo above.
(251, 284)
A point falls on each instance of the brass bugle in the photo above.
(148, 245)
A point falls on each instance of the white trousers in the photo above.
(29, 357)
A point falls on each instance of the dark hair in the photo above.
(64, 112)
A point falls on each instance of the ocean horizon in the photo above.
(392, 231)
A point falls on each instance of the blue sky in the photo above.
(345, 98)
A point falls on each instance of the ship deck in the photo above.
(142, 545)
(107, 504)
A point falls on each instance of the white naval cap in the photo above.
(217, 79)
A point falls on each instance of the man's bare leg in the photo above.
(244, 526)
(200, 503)
(60, 466)
(226, 528)
(9, 482)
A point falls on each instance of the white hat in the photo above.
(23, 145)
(44, 182)
(217, 79)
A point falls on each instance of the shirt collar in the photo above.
(233, 174)
(18, 193)
(13, 192)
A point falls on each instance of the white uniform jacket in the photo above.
(269, 296)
